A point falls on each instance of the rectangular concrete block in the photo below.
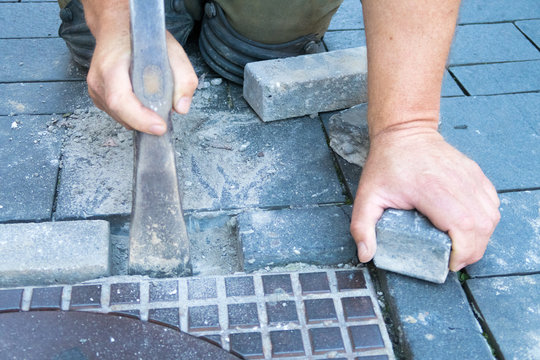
(53, 252)
(307, 84)
(407, 243)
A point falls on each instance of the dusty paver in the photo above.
(511, 308)
(53, 252)
(481, 11)
(490, 43)
(29, 161)
(514, 247)
(348, 17)
(19, 20)
(436, 320)
(531, 28)
(317, 236)
(510, 162)
(489, 79)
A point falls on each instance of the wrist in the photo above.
(401, 121)
(105, 18)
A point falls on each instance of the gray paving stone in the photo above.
(58, 97)
(29, 20)
(435, 319)
(348, 17)
(490, 43)
(225, 160)
(501, 78)
(514, 246)
(407, 243)
(449, 86)
(307, 84)
(53, 252)
(500, 133)
(29, 160)
(510, 306)
(316, 236)
(479, 11)
(531, 28)
(37, 60)
(345, 39)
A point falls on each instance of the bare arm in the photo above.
(108, 79)
(410, 165)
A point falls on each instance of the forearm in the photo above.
(408, 43)
(105, 17)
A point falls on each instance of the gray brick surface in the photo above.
(344, 39)
(29, 20)
(348, 17)
(57, 252)
(407, 243)
(481, 11)
(279, 237)
(307, 84)
(500, 133)
(449, 86)
(43, 97)
(37, 60)
(509, 305)
(531, 28)
(29, 160)
(436, 320)
(225, 160)
(514, 246)
(501, 78)
(490, 43)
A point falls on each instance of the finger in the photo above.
(127, 109)
(366, 212)
(185, 79)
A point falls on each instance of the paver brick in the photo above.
(239, 286)
(531, 28)
(125, 293)
(85, 296)
(247, 344)
(350, 280)
(278, 237)
(58, 252)
(29, 160)
(348, 17)
(165, 316)
(314, 283)
(358, 308)
(407, 243)
(19, 61)
(320, 310)
(508, 152)
(449, 86)
(20, 20)
(479, 11)
(501, 78)
(277, 284)
(287, 343)
(243, 315)
(326, 339)
(436, 319)
(49, 298)
(202, 288)
(490, 43)
(307, 84)
(10, 300)
(510, 306)
(344, 39)
(514, 246)
(281, 312)
(58, 97)
(366, 337)
(164, 290)
(202, 318)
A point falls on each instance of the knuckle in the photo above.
(466, 223)
(485, 226)
(191, 83)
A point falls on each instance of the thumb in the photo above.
(366, 213)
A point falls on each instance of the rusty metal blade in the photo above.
(159, 245)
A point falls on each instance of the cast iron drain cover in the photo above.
(67, 335)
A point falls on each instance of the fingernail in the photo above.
(157, 129)
(362, 251)
(183, 104)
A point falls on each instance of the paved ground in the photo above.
(271, 199)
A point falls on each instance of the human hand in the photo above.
(411, 168)
(109, 84)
